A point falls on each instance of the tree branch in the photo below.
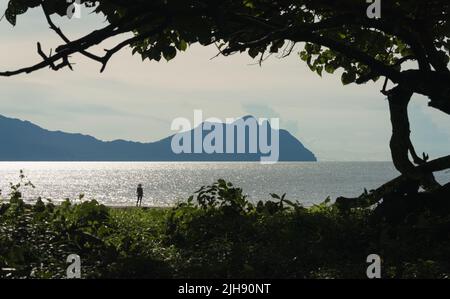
(82, 44)
(369, 199)
(63, 36)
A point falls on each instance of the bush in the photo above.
(222, 235)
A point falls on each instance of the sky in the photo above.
(135, 100)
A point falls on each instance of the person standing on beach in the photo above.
(140, 194)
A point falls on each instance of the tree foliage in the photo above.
(336, 34)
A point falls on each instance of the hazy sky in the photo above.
(137, 101)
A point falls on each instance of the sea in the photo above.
(167, 183)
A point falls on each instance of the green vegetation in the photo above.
(218, 233)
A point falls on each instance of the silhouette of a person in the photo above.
(140, 194)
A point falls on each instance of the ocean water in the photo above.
(114, 183)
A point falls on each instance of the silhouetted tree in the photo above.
(409, 46)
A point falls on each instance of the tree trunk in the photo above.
(400, 140)
(401, 145)
(412, 177)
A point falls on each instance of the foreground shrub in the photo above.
(221, 234)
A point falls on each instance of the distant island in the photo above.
(25, 141)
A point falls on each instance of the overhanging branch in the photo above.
(82, 44)
(64, 37)
(297, 35)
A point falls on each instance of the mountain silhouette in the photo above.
(25, 141)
